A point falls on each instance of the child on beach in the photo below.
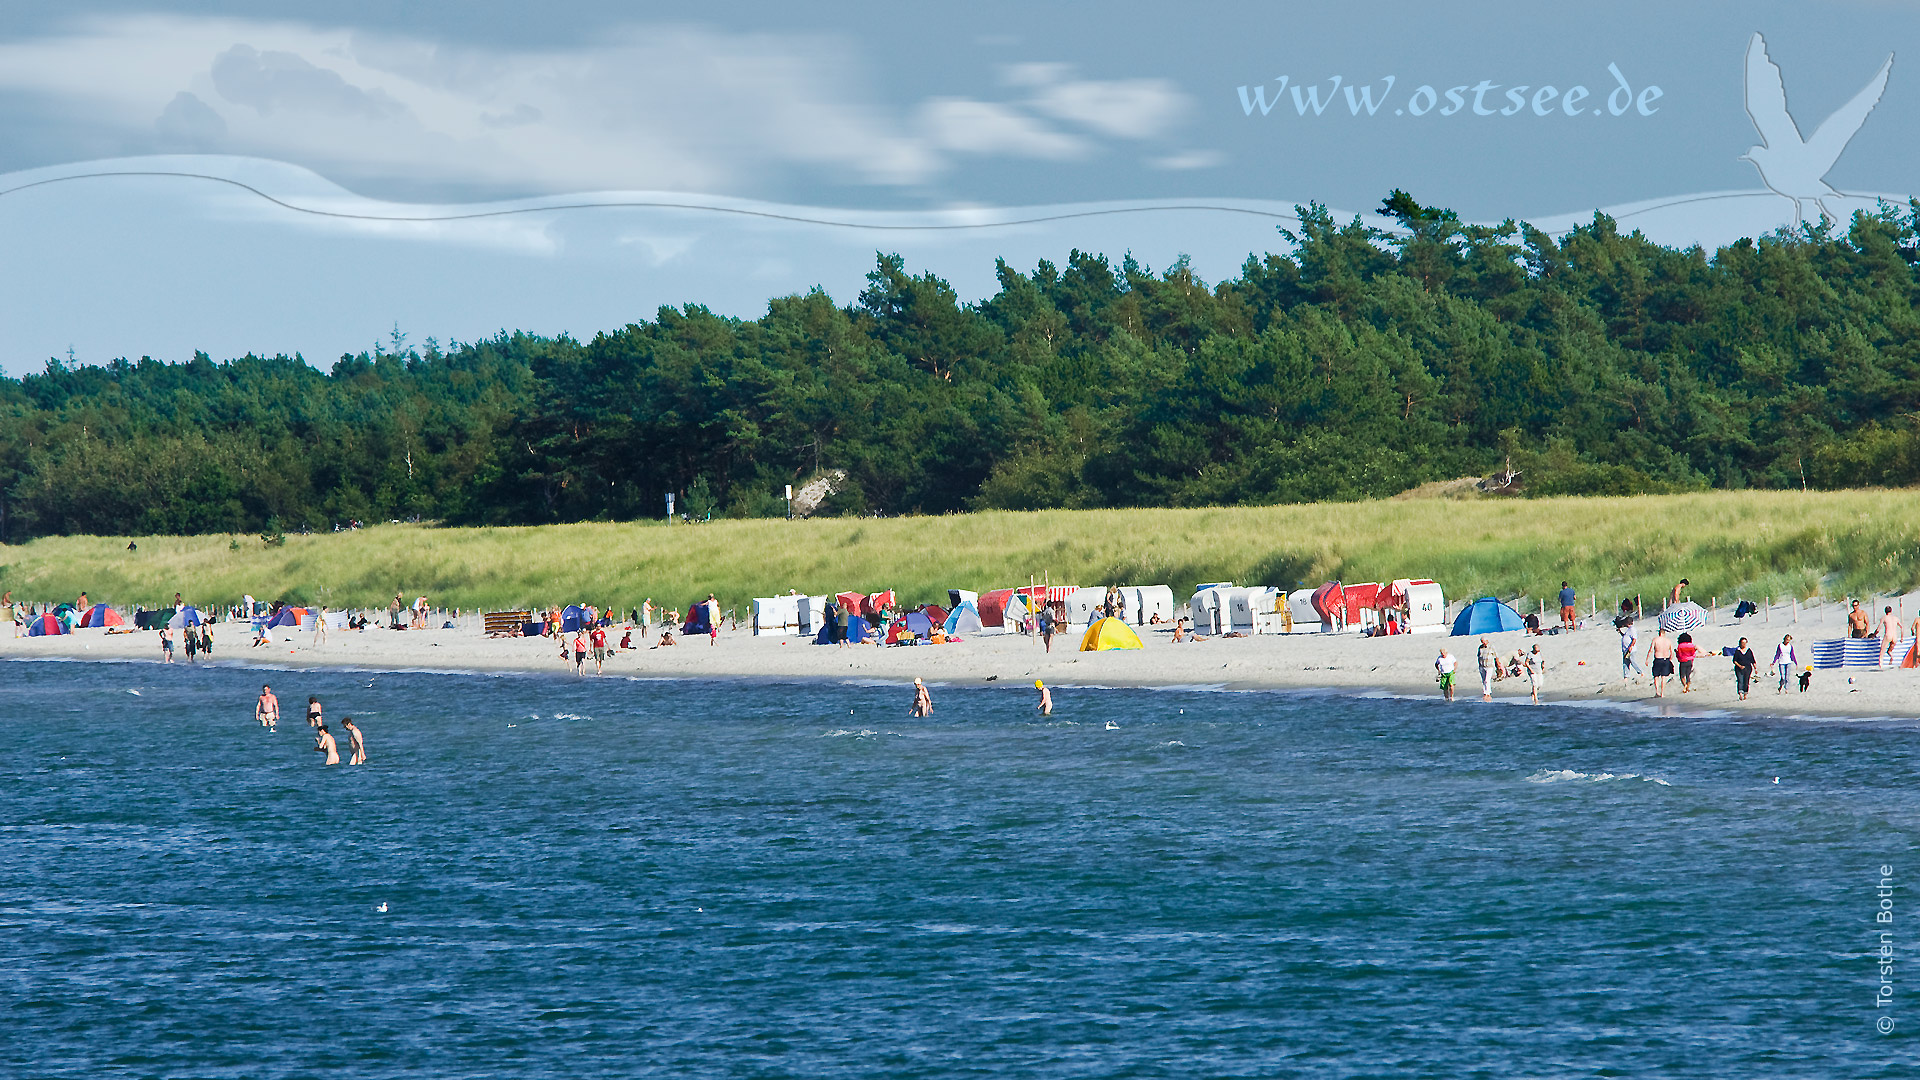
(1685, 652)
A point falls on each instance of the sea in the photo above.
(551, 877)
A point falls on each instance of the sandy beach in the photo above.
(1583, 665)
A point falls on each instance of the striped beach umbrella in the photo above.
(1685, 615)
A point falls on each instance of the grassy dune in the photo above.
(1727, 543)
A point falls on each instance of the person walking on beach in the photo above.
(579, 653)
(166, 645)
(1660, 661)
(1743, 664)
(323, 744)
(1786, 660)
(599, 639)
(191, 639)
(713, 620)
(1046, 697)
(922, 699)
(1535, 666)
(320, 625)
(314, 719)
(1889, 636)
(356, 743)
(1489, 662)
(1444, 665)
(206, 640)
(1684, 652)
(267, 709)
(1569, 611)
(1630, 669)
(1046, 627)
(1857, 622)
(1679, 589)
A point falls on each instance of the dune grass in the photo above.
(1727, 543)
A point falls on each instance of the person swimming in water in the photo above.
(1046, 697)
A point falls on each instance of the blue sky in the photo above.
(861, 106)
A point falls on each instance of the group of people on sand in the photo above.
(266, 710)
(197, 641)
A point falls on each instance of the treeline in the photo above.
(1356, 364)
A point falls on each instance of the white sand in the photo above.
(1583, 665)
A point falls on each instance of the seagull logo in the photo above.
(1790, 165)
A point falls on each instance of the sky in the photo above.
(844, 108)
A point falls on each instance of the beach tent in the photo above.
(46, 626)
(102, 615)
(152, 620)
(912, 622)
(291, 616)
(992, 606)
(880, 601)
(1109, 634)
(852, 603)
(185, 617)
(66, 614)
(697, 622)
(858, 630)
(956, 597)
(575, 618)
(1685, 615)
(1486, 615)
(935, 614)
(964, 619)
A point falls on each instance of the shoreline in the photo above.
(1583, 665)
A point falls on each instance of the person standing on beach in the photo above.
(393, 612)
(1629, 668)
(713, 620)
(1684, 652)
(1046, 627)
(1535, 666)
(191, 639)
(166, 645)
(599, 638)
(1569, 610)
(1660, 661)
(206, 640)
(1786, 660)
(320, 625)
(1046, 697)
(267, 709)
(323, 744)
(356, 743)
(1743, 664)
(1489, 662)
(579, 653)
(922, 699)
(1445, 664)
(1889, 636)
(1857, 622)
(1679, 589)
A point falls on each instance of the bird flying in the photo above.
(1789, 164)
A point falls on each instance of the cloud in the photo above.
(282, 80)
(979, 127)
(1189, 159)
(673, 108)
(1125, 108)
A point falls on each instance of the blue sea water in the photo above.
(589, 878)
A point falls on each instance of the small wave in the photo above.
(1554, 776)
(863, 733)
(568, 716)
(1173, 742)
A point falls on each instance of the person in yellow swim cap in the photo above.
(1046, 698)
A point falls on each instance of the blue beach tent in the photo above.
(697, 622)
(1486, 615)
(858, 629)
(574, 618)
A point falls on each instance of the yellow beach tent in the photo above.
(1109, 634)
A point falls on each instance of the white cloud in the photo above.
(1189, 159)
(979, 127)
(1125, 108)
(660, 108)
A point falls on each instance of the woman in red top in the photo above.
(1685, 652)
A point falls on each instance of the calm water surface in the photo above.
(618, 878)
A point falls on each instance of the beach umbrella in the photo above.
(185, 617)
(46, 626)
(1684, 615)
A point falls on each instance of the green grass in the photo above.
(1727, 543)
